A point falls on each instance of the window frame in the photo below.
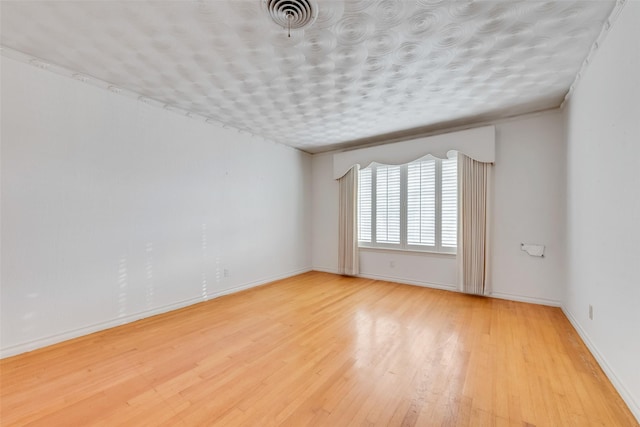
(403, 245)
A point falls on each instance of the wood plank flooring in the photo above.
(320, 349)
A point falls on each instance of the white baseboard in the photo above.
(521, 298)
(257, 283)
(423, 284)
(448, 287)
(100, 326)
(326, 270)
(634, 406)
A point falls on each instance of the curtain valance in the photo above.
(477, 143)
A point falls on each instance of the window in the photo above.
(411, 207)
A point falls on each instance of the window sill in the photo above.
(408, 251)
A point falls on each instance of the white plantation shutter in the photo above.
(364, 205)
(421, 203)
(412, 206)
(388, 204)
(449, 216)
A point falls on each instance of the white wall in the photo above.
(113, 210)
(324, 211)
(528, 207)
(603, 213)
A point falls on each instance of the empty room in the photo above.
(320, 213)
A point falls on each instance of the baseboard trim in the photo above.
(257, 283)
(326, 270)
(101, 326)
(633, 406)
(447, 287)
(409, 282)
(530, 300)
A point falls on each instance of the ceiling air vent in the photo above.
(292, 14)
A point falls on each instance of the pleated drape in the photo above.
(474, 182)
(348, 262)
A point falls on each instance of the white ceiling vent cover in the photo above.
(292, 14)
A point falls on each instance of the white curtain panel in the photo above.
(348, 262)
(474, 182)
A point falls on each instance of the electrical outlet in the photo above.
(392, 264)
(225, 272)
(590, 312)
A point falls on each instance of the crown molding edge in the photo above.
(606, 28)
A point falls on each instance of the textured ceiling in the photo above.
(363, 69)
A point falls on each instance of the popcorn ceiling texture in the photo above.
(364, 68)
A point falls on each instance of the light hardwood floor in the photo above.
(320, 349)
